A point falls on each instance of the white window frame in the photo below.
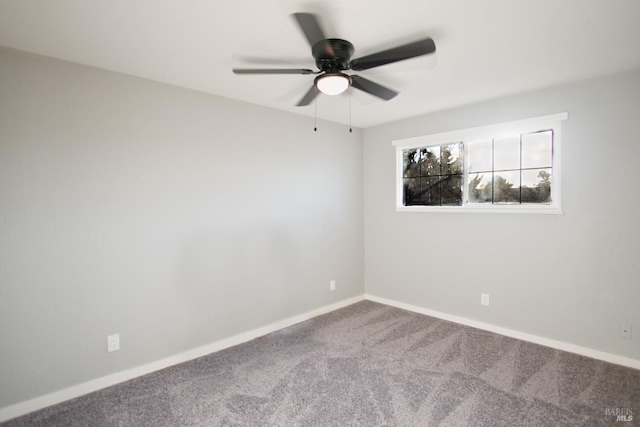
(500, 130)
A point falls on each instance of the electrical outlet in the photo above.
(625, 331)
(484, 299)
(113, 342)
(332, 285)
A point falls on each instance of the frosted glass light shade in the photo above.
(333, 84)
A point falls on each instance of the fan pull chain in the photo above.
(315, 116)
(350, 129)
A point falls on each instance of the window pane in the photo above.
(451, 158)
(451, 191)
(480, 156)
(537, 150)
(411, 191)
(431, 191)
(506, 187)
(422, 191)
(506, 153)
(536, 186)
(480, 188)
(411, 163)
(431, 161)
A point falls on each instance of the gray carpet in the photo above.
(370, 365)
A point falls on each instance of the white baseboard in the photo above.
(560, 345)
(56, 397)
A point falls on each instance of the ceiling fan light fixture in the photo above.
(333, 83)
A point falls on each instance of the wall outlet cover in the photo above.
(484, 299)
(113, 342)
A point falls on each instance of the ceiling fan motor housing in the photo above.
(332, 55)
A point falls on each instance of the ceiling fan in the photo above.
(333, 57)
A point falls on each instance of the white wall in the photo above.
(172, 217)
(573, 277)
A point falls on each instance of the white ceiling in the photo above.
(486, 48)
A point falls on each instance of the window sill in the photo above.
(554, 210)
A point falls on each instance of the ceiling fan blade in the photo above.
(310, 26)
(308, 97)
(272, 71)
(411, 50)
(263, 61)
(373, 88)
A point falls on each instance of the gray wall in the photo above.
(573, 277)
(177, 218)
(172, 217)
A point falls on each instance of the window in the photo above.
(507, 167)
